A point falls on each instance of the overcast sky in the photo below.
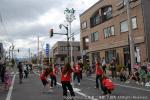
(21, 21)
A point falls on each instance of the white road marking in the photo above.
(11, 88)
(127, 86)
(80, 93)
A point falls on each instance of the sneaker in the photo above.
(79, 84)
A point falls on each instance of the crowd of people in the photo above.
(70, 74)
(140, 73)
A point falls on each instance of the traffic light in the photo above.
(51, 33)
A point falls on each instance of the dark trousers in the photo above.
(26, 74)
(76, 75)
(66, 85)
(53, 81)
(98, 78)
(20, 77)
(106, 91)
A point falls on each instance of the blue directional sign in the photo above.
(47, 50)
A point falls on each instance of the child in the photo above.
(7, 80)
(44, 80)
(65, 80)
(108, 85)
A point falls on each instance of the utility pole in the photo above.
(38, 51)
(131, 40)
(70, 17)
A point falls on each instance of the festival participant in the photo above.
(77, 73)
(108, 85)
(66, 79)
(43, 76)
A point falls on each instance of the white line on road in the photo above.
(11, 88)
(80, 93)
(127, 86)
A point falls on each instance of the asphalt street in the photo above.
(31, 89)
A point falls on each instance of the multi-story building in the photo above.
(104, 30)
(60, 52)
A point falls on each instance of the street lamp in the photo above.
(70, 17)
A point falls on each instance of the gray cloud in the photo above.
(28, 10)
(20, 20)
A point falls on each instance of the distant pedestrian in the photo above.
(65, 80)
(104, 64)
(20, 70)
(81, 69)
(123, 74)
(26, 71)
(113, 68)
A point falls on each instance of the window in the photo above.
(76, 48)
(95, 20)
(94, 36)
(85, 42)
(134, 22)
(124, 26)
(83, 25)
(109, 31)
(107, 13)
(110, 55)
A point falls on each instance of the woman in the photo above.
(65, 80)
(99, 73)
(43, 76)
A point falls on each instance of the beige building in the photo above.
(104, 31)
(60, 52)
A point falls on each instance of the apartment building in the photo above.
(104, 31)
(60, 52)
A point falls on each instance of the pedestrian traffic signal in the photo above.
(51, 33)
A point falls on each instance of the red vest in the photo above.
(108, 84)
(42, 76)
(99, 71)
(67, 76)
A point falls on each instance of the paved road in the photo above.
(32, 87)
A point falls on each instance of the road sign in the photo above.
(47, 50)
